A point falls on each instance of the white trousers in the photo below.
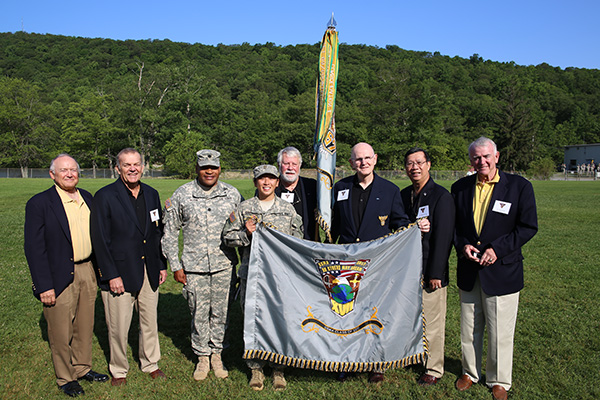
(499, 314)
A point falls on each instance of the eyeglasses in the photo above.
(415, 163)
(65, 170)
(363, 159)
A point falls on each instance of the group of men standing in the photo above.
(489, 216)
(73, 243)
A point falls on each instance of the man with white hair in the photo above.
(58, 248)
(299, 191)
(495, 216)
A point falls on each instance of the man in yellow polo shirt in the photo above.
(495, 216)
(58, 248)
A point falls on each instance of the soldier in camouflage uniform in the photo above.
(200, 208)
(267, 208)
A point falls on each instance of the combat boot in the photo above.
(217, 366)
(258, 379)
(279, 382)
(202, 368)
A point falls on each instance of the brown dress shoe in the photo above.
(118, 381)
(427, 380)
(499, 393)
(375, 377)
(157, 373)
(463, 383)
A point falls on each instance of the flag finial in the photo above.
(332, 23)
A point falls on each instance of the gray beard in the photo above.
(287, 180)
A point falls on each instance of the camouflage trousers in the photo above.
(207, 295)
(254, 363)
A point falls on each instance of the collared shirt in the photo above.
(78, 216)
(139, 205)
(481, 200)
(360, 197)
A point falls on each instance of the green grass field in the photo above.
(557, 345)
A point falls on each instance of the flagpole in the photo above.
(324, 141)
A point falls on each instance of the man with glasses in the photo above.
(297, 190)
(58, 248)
(426, 199)
(366, 207)
(200, 209)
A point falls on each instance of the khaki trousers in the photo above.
(499, 314)
(434, 308)
(119, 311)
(71, 325)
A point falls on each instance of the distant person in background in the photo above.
(58, 248)
(299, 191)
(426, 199)
(495, 216)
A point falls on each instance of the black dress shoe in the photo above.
(343, 376)
(72, 389)
(93, 376)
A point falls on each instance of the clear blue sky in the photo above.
(562, 33)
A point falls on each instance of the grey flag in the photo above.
(351, 307)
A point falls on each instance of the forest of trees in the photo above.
(92, 97)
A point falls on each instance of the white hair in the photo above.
(482, 142)
(290, 151)
(53, 169)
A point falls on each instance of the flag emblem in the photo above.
(342, 280)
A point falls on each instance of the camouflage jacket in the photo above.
(280, 216)
(201, 216)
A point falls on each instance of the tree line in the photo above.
(92, 97)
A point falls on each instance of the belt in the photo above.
(84, 261)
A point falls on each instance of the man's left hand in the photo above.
(488, 257)
(424, 225)
(435, 284)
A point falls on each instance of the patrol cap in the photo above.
(264, 170)
(208, 158)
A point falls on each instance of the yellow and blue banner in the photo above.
(324, 141)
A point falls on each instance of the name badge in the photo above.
(289, 197)
(423, 212)
(502, 207)
(343, 194)
(154, 215)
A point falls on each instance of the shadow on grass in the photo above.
(174, 321)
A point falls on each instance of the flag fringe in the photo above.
(323, 224)
(333, 366)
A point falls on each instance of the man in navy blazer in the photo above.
(126, 233)
(495, 216)
(59, 253)
(426, 199)
(366, 207)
